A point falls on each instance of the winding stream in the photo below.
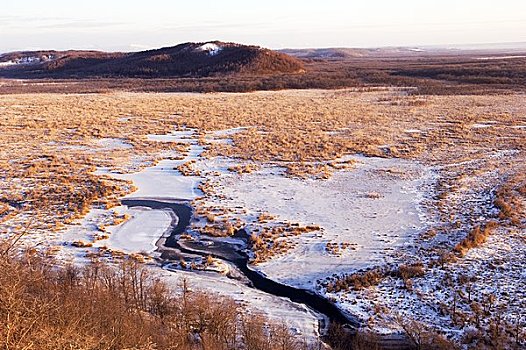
(236, 255)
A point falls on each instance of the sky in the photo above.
(118, 25)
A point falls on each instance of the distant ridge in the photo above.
(184, 60)
(339, 53)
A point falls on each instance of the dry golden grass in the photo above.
(272, 239)
(510, 200)
(52, 145)
(187, 170)
(475, 238)
(51, 141)
(243, 169)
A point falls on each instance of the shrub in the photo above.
(45, 306)
(410, 271)
(356, 281)
(475, 238)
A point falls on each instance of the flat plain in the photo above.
(405, 210)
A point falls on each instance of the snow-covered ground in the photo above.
(481, 125)
(374, 213)
(489, 58)
(7, 63)
(25, 60)
(182, 136)
(222, 136)
(372, 209)
(164, 180)
(369, 211)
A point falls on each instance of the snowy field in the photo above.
(368, 215)
(373, 209)
(344, 228)
(370, 211)
(164, 180)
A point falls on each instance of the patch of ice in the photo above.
(228, 132)
(75, 148)
(162, 181)
(185, 136)
(222, 136)
(141, 232)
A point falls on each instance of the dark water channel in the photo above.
(235, 254)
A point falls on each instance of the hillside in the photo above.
(184, 60)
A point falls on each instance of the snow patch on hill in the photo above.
(211, 48)
(6, 64)
(25, 60)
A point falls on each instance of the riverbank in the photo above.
(236, 255)
(348, 217)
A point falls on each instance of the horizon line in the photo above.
(506, 45)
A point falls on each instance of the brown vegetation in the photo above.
(423, 337)
(187, 170)
(510, 199)
(272, 239)
(100, 307)
(475, 238)
(336, 248)
(451, 74)
(184, 60)
(244, 169)
(356, 281)
(372, 277)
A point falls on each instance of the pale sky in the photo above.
(136, 25)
